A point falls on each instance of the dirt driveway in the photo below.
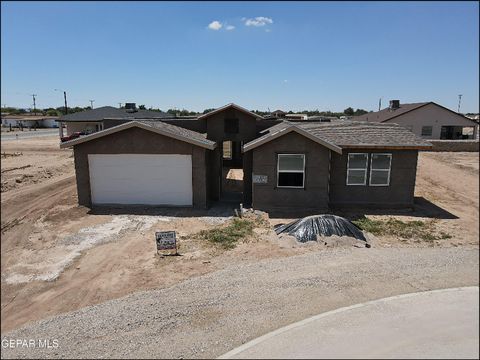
(58, 256)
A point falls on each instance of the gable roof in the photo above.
(387, 114)
(231, 105)
(103, 112)
(284, 128)
(343, 134)
(158, 127)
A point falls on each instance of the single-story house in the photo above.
(93, 120)
(29, 121)
(309, 165)
(427, 120)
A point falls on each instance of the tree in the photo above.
(207, 111)
(141, 107)
(360, 112)
(348, 111)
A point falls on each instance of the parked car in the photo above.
(72, 136)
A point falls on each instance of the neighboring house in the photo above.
(278, 114)
(29, 121)
(427, 120)
(94, 120)
(322, 118)
(296, 116)
(286, 165)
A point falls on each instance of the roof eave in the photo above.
(390, 147)
(211, 146)
(252, 145)
(220, 109)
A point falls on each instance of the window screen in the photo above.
(380, 169)
(357, 169)
(291, 170)
(427, 130)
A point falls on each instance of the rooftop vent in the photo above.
(394, 104)
(130, 107)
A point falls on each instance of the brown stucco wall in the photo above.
(215, 126)
(315, 193)
(140, 141)
(454, 145)
(400, 192)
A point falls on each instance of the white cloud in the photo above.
(268, 30)
(215, 25)
(258, 21)
(230, 27)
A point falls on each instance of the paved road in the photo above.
(28, 134)
(432, 324)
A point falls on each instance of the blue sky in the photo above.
(293, 56)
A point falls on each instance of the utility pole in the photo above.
(65, 98)
(34, 105)
(379, 104)
(91, 103)
(119, 105)
(459, 102)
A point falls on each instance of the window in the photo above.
(231, 126)
(380, 169)
(227, 150)
(357, 169)
(426, 130)
(291, 170)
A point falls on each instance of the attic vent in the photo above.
(130, 107)
(394, 104)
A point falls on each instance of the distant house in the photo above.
(296, 116)
(278, 114)
(106, 116)
(294, 166)
(427, 120)
(29, 121)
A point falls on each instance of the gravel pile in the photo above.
(207, 316)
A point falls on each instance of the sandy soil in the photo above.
(58, 256)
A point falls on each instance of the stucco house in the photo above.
(93, 120)
(426, 119)
(308, 165)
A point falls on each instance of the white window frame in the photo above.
(372, 169)
(365, 170)
(290, 171)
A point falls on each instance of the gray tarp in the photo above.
(309, 227)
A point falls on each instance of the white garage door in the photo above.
(141, 179)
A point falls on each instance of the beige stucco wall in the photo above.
(432, 115)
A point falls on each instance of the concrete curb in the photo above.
(274, 333)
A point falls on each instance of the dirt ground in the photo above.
(58, 256)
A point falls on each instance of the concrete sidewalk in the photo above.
(432, 324)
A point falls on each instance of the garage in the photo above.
(149, 179)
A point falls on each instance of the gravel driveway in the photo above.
(207, 316)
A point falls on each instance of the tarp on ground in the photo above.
(308, 228)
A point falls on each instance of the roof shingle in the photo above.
(349, 134)
(104, 112)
